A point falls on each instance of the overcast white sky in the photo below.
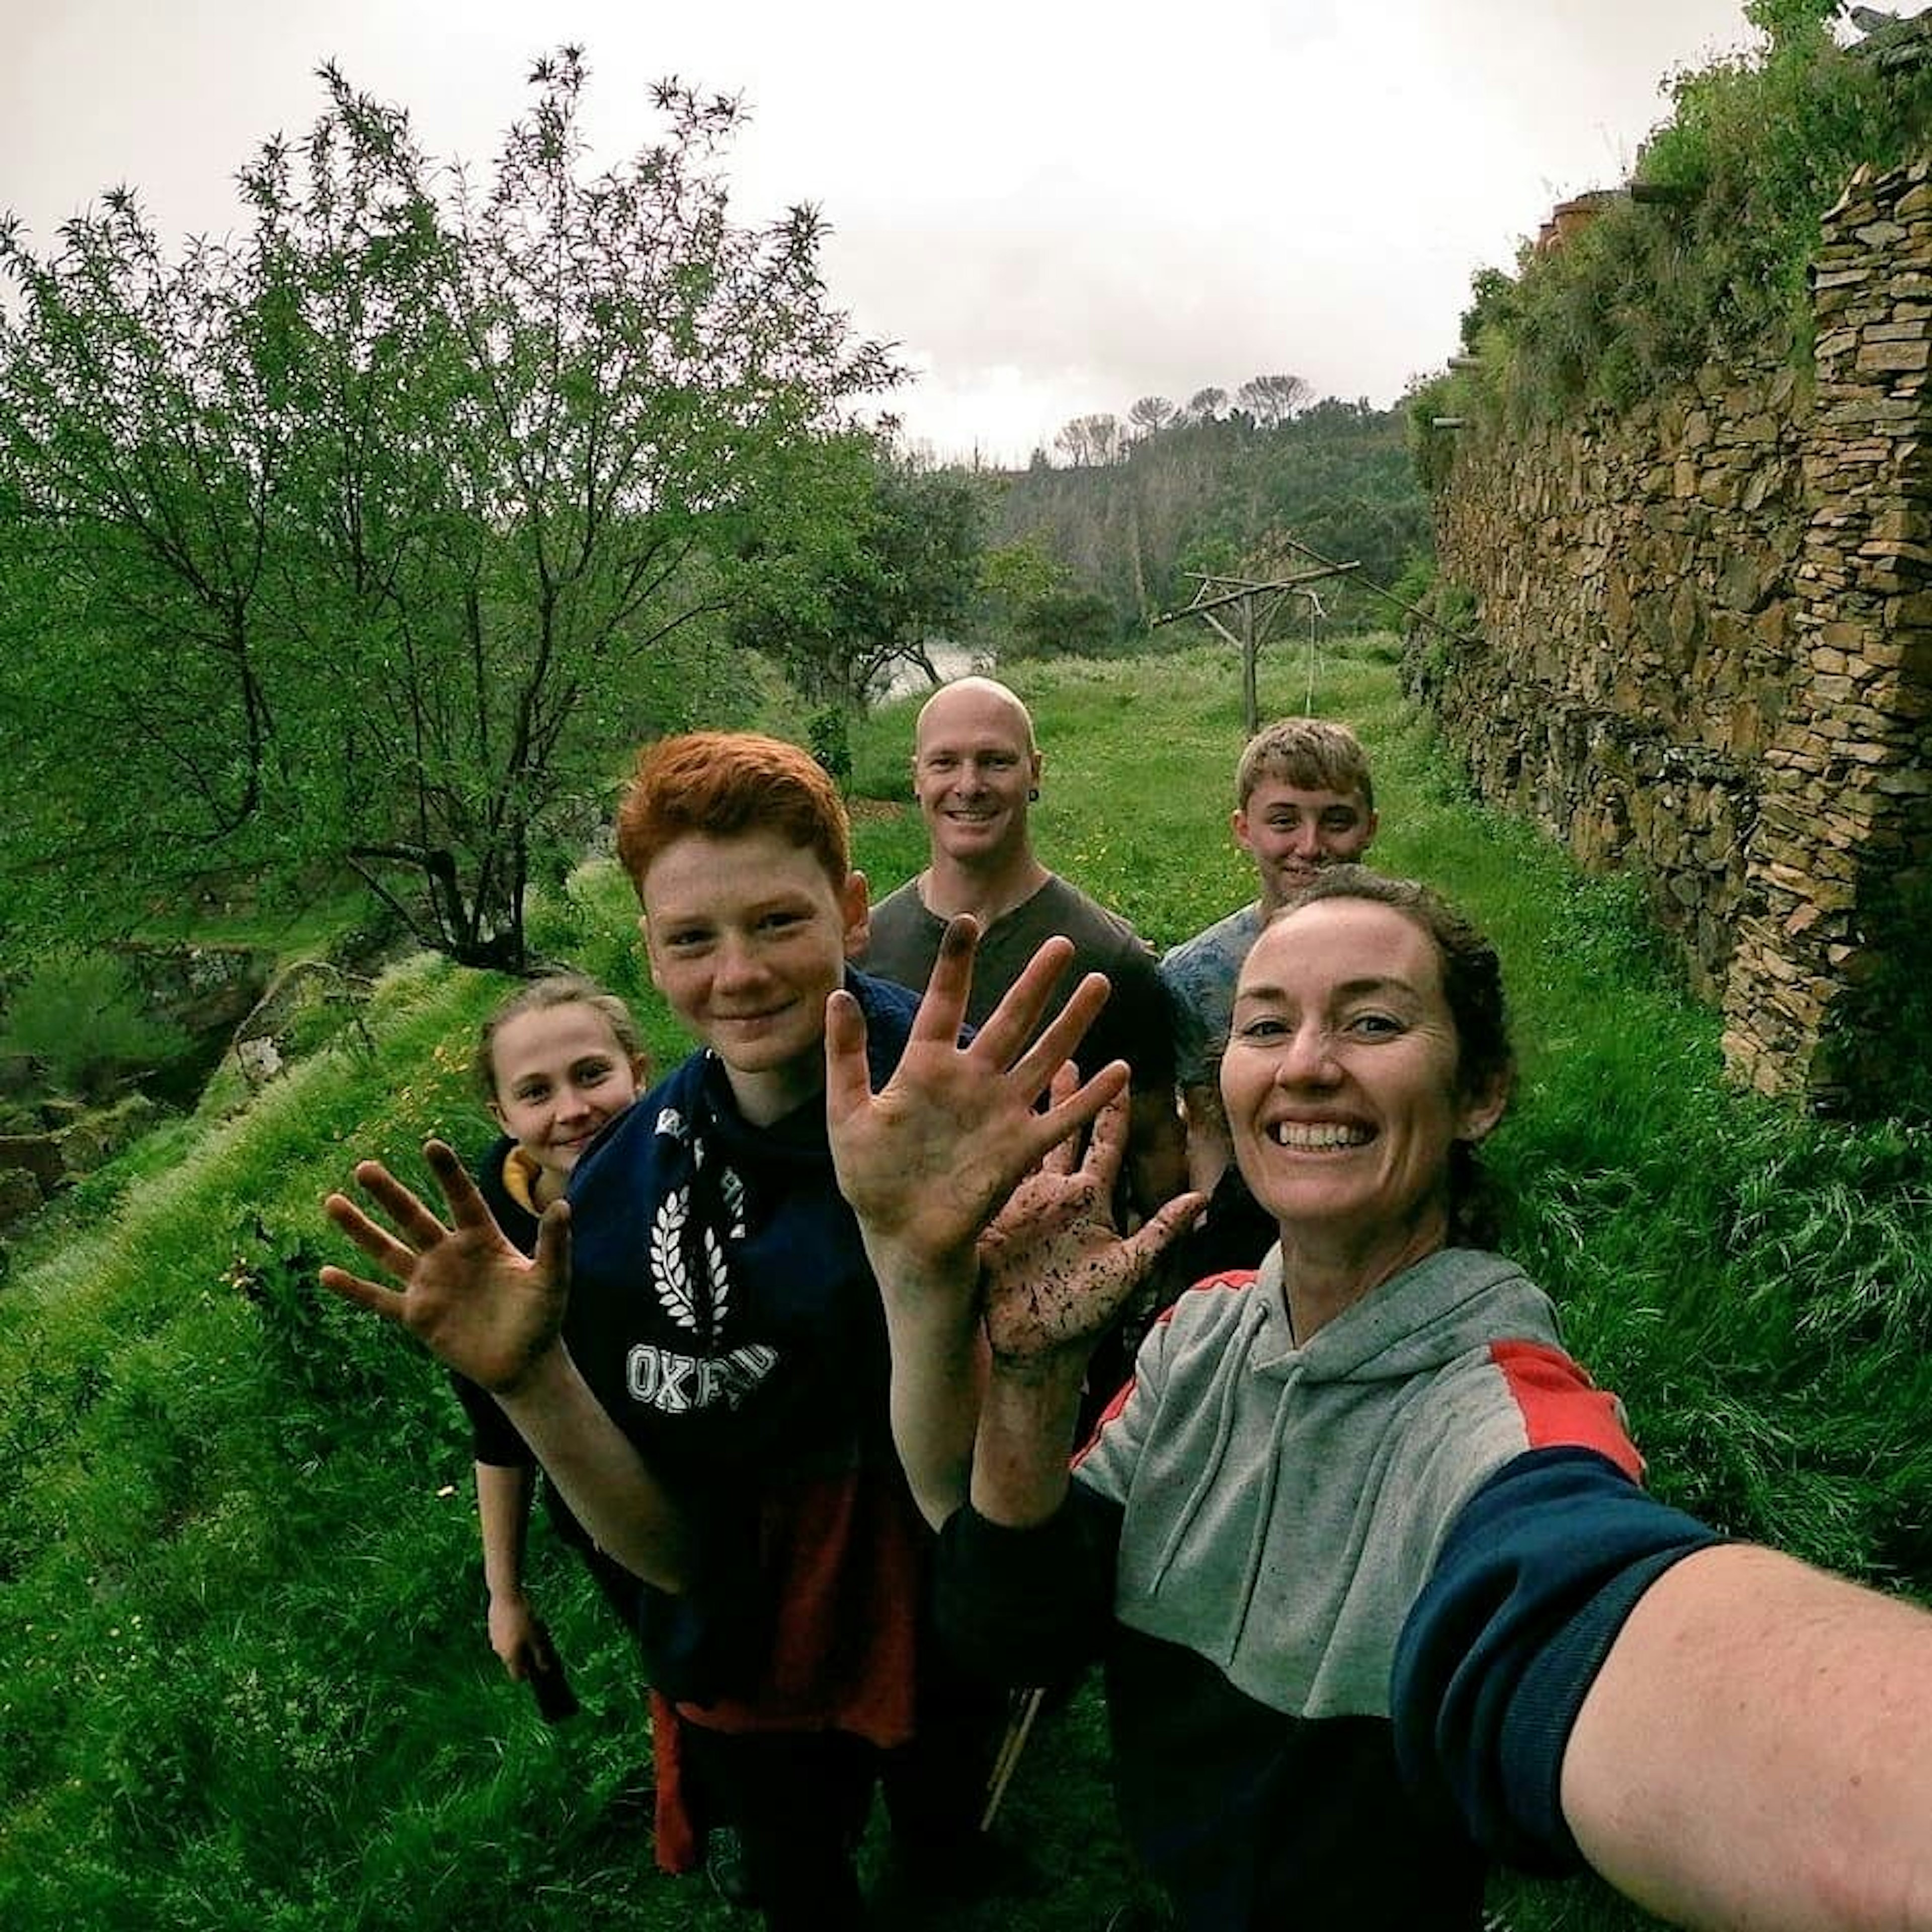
(1052, 206)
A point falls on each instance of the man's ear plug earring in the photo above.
(1033, 793)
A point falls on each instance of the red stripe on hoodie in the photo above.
(1561, 1407)
(1227, 1278)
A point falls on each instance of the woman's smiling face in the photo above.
(1342, 1077)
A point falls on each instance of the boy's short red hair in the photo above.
(725, 784)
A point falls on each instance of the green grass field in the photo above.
(244, 1681)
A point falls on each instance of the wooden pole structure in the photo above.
(1409, 610)
(1250, 675)
(1254, 619)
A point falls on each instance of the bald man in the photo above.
(975, 772)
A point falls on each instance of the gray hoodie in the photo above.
(1284, 1505)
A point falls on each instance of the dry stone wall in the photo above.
(1704, 650)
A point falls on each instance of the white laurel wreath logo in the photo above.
(721, 1281)
(677, 1291)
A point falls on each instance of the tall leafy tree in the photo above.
(369, 538)
(840, 605)
(1272, 400)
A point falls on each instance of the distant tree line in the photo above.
(1101, 543)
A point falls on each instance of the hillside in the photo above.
(246, 1682)
(1132, 514)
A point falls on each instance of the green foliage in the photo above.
(1205, 490)
(1417, 581)
(1066, 624)
(1493, 304)
(82, 1017)
(1439, 612)
(361, 539)
(1014, 578)
(875, 558)
(1015, 573)
(1789, 24)
(246, 1682)
(1756, 148)
(1432, 450)
(828, 734)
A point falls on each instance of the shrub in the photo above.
(1067, 624)
(82, 1017)
(829, 733)
(1757, 148)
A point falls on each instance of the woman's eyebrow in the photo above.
(1348, 989)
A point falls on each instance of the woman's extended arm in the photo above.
(1730, 1736)
(1756, 1749)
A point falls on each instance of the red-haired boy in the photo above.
(697, 1352)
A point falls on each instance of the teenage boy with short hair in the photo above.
(696, 1352)
(1303, 800)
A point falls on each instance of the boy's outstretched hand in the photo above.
(487, 1310)
(926, 1162)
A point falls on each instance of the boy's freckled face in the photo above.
(748, 936)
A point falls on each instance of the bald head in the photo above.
(975, 701)
(975, 771)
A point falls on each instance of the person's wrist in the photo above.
(1054, 1375)
(544, 1375)
(913, 1272)
(1025, 1434)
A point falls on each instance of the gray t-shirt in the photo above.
(1200, 974)
(1136, 1024)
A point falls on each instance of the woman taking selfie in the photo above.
(1379, 1596)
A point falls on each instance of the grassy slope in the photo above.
(244, 1679)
